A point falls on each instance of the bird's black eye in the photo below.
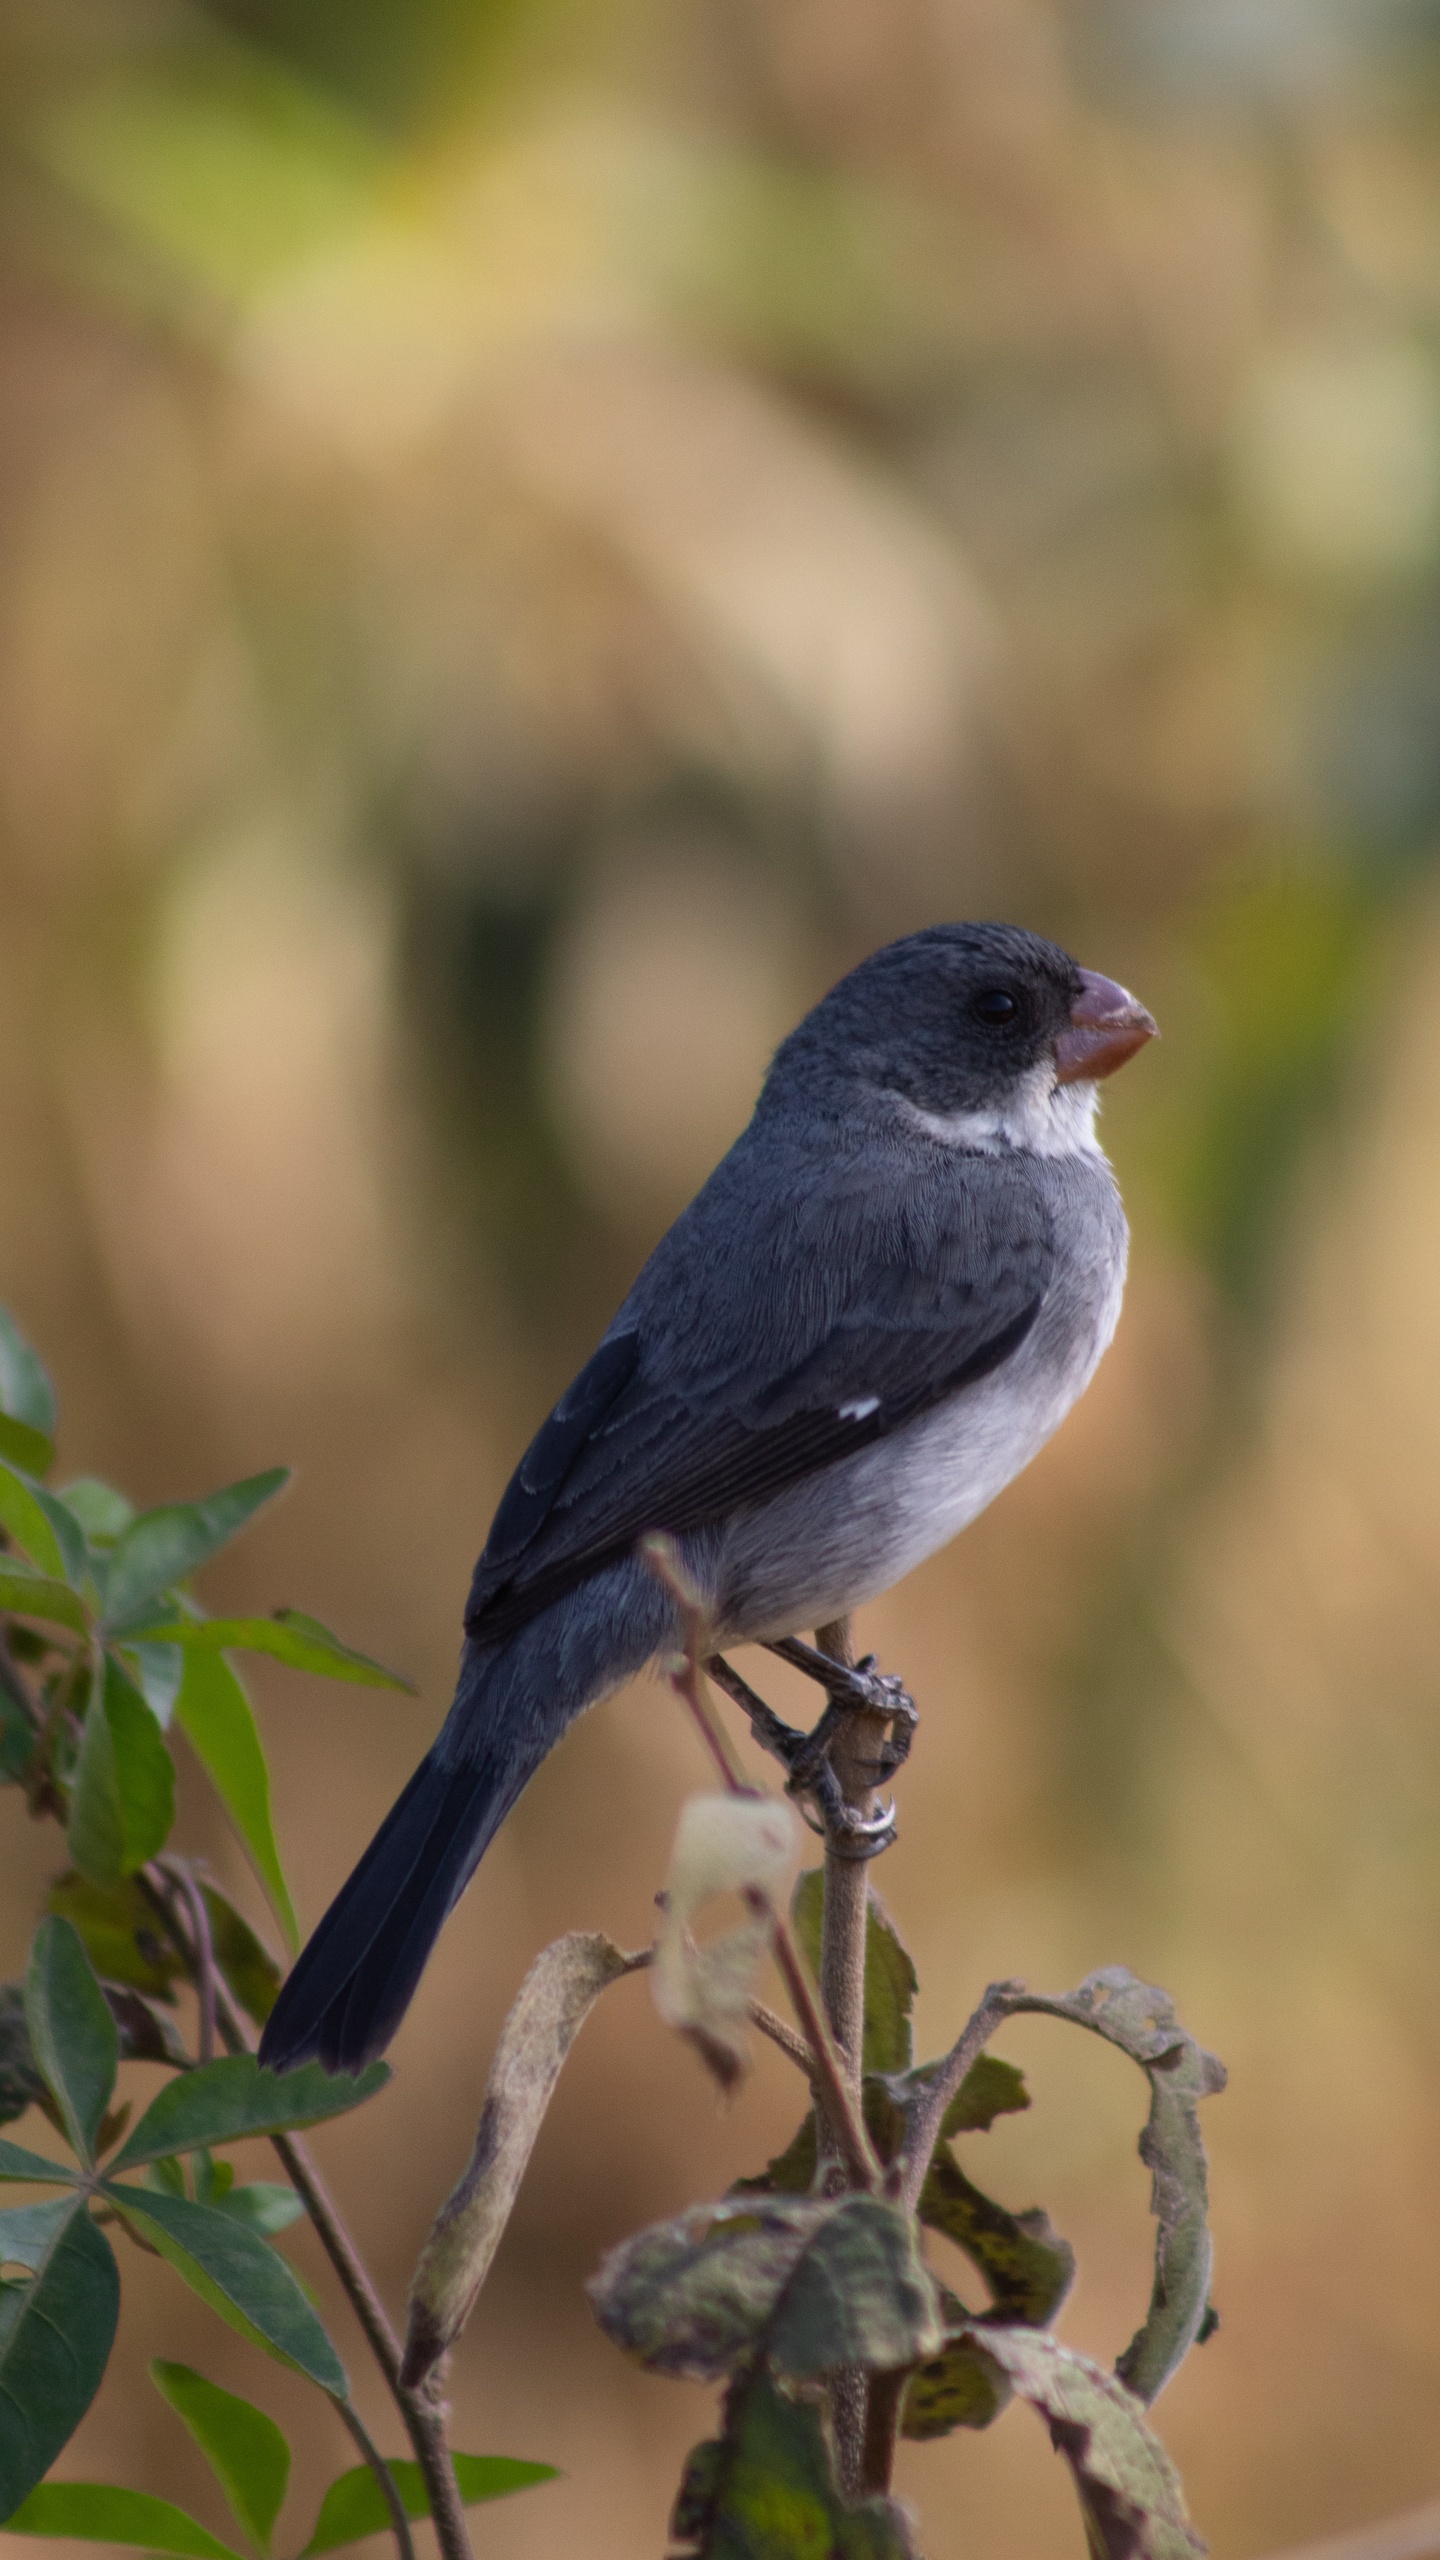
(994, 1006)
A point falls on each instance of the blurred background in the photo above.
(533, 537)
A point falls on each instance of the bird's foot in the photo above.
(860, 1688)
(806, 1756)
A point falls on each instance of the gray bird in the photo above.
(883, 1302)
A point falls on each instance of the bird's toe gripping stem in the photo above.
(861, 1690)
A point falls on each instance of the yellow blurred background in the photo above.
(532, 538)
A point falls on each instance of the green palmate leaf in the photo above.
(246, 2450)
(766, 2491)
(229, 2100)
(552, 2004)
(238, 2275)
(250, 1970)
(41, 1526)
(1129, 2489)
(289, 1637)
(1141, 2020)
(143, 2037)
(72, 2034)
(55, 2337)
(890, 1980)
(161, 1547)
(27, 1594)
(815, 2286)
(26, 1394)
(122, 1800)
(214, 1715)
(21, 2083)
(103, 1514)
(89, 2511)
(28, 2232)
(353, 2506)
(31, 2168)
(121, 1930)
(1027, 2266)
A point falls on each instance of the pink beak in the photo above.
(1106, 1027)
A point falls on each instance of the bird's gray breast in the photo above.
(842, 1536)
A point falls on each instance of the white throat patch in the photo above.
(1041, 1116)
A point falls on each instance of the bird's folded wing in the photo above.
(678, 1420)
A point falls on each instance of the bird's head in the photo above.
(968, 1022)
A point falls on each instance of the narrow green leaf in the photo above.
(39, 1595)
(54, 2348)
(262, 2205)
(353, 2506)
(214, 1715)
(121, 1930)
(248, 2283)
(250, 1970)
(103, 1514)
(163, 1546)
(122, 1800)
(26, 1394)
(157, 1670)
(90, 2511)
(289, 1637)
(32, 1450)
(229, 2100)
(31, 2168)
(244, 2448)
(72, 2033)
(41, 1526)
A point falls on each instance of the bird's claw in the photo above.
(805, 1756)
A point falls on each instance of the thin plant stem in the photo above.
(423, 2417)
(783, 2036)
(842, 1988)
(926, 2111)
(839, 2104)
(204, 1952)
(383, 2475)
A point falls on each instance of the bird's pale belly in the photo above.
(826, 1546)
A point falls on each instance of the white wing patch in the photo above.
(859, 1409)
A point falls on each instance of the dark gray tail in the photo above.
(357, 1976)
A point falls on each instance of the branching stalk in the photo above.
(423, 2418)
